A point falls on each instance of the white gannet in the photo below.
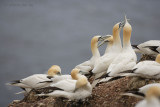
(141, 92)
(147, 69)
(34, 81)
(103, 64)
(151, 47)
(127, 59)
(88, 65)
(109, 42)
(73, 91)
(151, 98)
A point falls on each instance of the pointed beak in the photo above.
(58, 73)
(121, 25)
(103, 40)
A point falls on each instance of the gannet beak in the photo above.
(103, 40)
(104, 37)
(121, 25)
(58, 73)
(101, 43)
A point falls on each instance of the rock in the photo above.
(104, 95)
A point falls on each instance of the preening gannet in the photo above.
(151, 98)
(141, 92)
(151, 47)
(34, 81)
(147, 69)
(73, 91)
(126, 60)
(88, 65)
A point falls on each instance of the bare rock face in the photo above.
(104, 95)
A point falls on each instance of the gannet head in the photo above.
(74, 73)
(127, 29)
(95, 40)
(109, 40)
(158, 58)
(153, 92)
(54, 70)
(82, 81)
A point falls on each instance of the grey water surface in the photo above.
(35, 34)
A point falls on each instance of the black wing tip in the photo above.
(136, 92)
(153, 48)
(115, 78)
(49, 77)
(103, 76)
(46, 82)
(15, 82)
(135, 46)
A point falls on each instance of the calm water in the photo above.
(35, 34)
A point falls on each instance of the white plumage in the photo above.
(73, 89)
(151, 47)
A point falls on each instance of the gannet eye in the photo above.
(120, 24)
(58, 73)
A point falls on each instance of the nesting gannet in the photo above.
(34, 81)
(151, 47)
(126, 60)
(147, 69)
(73, 91)
(88, 65)
(141, 92)
(151, 98)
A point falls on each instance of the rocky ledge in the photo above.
(104, 95)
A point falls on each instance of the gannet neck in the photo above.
(109, 45)
(116, 36)
(94, 46)
(53, 70)
(74, 73)
(153, 92)
(82, 81)
(158, 58)
(127, 35)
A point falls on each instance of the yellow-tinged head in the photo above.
(153, 92)
(158, 58)
(116, 28)
(82, 81)
(127, 29)
(110, 39)
(54, 70)
(74, 73)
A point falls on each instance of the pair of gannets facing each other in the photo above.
(146, 69)
(87, 66)
(114, 47)
(151, 47)
(101, 60)
(72, 90)
(126, 60)
(34, 81)
(150, 93)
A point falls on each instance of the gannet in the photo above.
(126, 60)
(109, 42)
(103, 64)
(147, 69)
(73, 91)
(151, 47)
(34, 81)
(151, 98)
(141, 92)
(88, 65)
